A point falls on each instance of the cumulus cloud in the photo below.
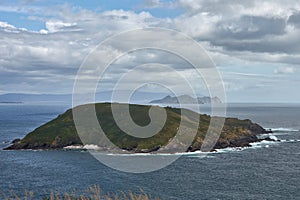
(53, 55)
(56, 26)
(244, 28)
(234, 32)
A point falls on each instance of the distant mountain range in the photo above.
(186, 99)
(105, 96)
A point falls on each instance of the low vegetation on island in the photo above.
(61, 131)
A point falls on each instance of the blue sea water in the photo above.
(266, 171)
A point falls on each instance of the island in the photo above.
(61, 132)
(186, 99)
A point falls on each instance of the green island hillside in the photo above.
(61, 132)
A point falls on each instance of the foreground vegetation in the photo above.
(92, 193)
(61, 132)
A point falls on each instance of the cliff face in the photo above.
(61, 131)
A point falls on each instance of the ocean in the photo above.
(268, 170)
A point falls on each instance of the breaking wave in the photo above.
(280, 130)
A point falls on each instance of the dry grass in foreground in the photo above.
(92, 193)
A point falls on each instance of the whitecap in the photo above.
(155, 154)
(83, 147)
(281, 129)
(74, 147)
(195, 154)
(91, 147)
(230, 149)
(264, 143)
(268, 136)
(273, 137)
(292, 140)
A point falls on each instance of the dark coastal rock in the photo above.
(34, 146)
(269, 131)
(237, 142)
(244, 141)
(271, 140)
(16, 140)
(147, 150)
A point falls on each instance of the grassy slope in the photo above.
(61, 131)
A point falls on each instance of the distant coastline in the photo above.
(186, 99)
(11, 102)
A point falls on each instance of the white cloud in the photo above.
(235, 32)
(201, 25)
(253, 31)
(55, 26)
(41, 58)
(232, 8)
(43, 31)
(285, 70)
(6, 25)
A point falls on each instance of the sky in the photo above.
(254, 44)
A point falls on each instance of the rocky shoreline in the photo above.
(238, 143)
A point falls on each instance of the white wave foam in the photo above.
(74, 147)
(230, 149)
(158, 154)
(268, 136)
(291, 140)
(254, 145)
(189, 154)
(280, 129)
(91, 147)
(199, 154)
(266, 143)
(83, 147)
(273, 137)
